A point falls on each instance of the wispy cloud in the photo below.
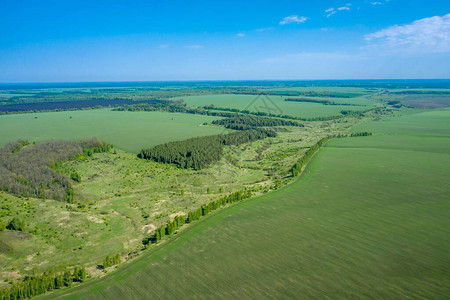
(429, 35)
(376, 3)
(163, 46)
(331, 11)
(264, 29)
(241, 35)
(293, 19)
(194, 46)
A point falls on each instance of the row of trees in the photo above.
(249, 121)
(297, 168)
(193, 215)
(324, 102)
(211, 110)
(200, 152)
(39, 284)
(31, 170)
(264, 114)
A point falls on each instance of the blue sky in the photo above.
(62, 41)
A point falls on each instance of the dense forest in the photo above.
(242, 122)
(33, 170)
(200, 152)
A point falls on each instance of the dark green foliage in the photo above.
(111, 261)
(16, 224)
(200, 152)
(242, 122)
(36, 170)
(365, 133)
(36, 284)
(261, 113)
(324, 102)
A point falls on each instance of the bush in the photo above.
(16, 224)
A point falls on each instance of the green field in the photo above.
(277, 104)
(130, 131)
(434, 122)
(368, 219)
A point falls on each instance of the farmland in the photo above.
(128, 131)
(368, 219)
(336, 211)
(276, 105)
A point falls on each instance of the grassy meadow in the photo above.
(367, 219)
(130, 131)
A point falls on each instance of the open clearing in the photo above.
(368, 219)
(130, 131)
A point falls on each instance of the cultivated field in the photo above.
(130, 131)
(277, 104)
(368, 219)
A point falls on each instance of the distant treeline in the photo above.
(171, 226)
(68, 105)
(264, 114)
(37, 284)
(243, 122)
(31, 170)
(211, 110)
(421, 92)
(324, 102)
(300, 93)
(200, 152)
(297, 168)
(174, 107)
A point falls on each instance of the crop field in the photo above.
(367, 219)
(434, 122)
(277, 104)
(130, 131)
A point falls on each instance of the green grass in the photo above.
(130, 131)
(299, 109)
(368, 219)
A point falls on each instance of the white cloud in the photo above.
(293, 19)
(194, 46)
(376, 3)
(429, 35)
(240, 35)
(331, 13)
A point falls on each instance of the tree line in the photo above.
(242, 122)
(37, 284)
(32, 170)
(324, 102)
(170, 227)
(264, 114)
(297, 167)
(212, 110)
(200, 152)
